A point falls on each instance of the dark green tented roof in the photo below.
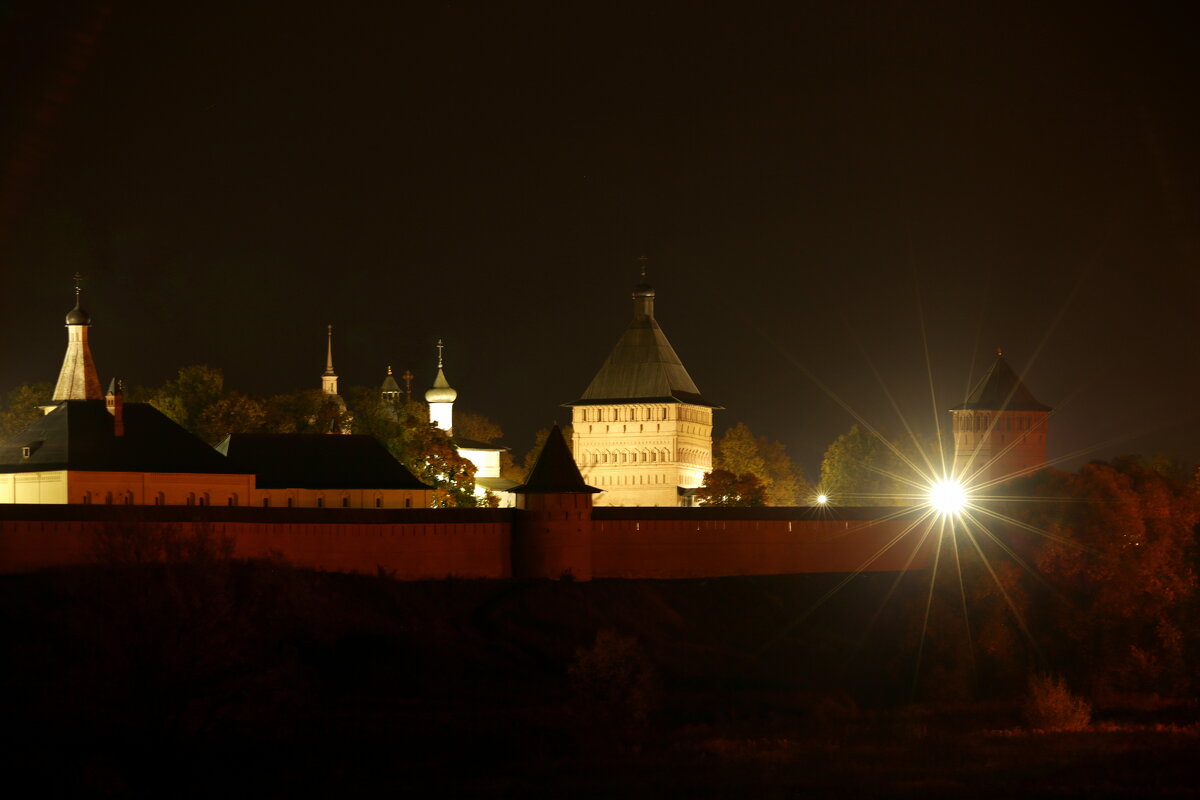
(1001, 390)
(555, 470)
(316, 461)
(78, 435)
(642, 367)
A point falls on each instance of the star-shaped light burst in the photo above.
(948, 497)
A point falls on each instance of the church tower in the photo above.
(1000, 430)
(78, 379)
(329, 389)
(642, 432)
(441, 397)
(329, 377)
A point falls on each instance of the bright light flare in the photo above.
(822, 499)
(948, 497)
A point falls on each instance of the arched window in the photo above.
(191, 498)
(232, 501)
(158, 499)
(345, 502)
(379, 502)
(87, 498)
(291, 502)
(108, 498)
(320, 502)
(266, 502)
(408, 502)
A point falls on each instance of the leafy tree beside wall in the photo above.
(742, 454)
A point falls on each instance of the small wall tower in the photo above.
(552, 537)
(1000, 430)
(78, 379)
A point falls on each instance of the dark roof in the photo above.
(555, 470)
(473, 444)
(316, 461)
(1001, 390)
(643, 368)
(78, 435)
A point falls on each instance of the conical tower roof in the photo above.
(1001, 390)
(555, 470)
(642, 367)
(389, 384)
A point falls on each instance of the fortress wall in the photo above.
(409, 544)
(687, 546)
(414, 544)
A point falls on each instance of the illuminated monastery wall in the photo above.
(417, 544)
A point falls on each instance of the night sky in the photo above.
(812, 185)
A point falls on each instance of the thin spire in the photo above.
(407, 376)
(1000, 352)
(389, 369)
(439, 347)
(329, 352)
(642, 259)
(78, 286)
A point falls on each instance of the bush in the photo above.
(1050, 706)
(613, 683)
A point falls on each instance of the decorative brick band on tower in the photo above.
(552, 534)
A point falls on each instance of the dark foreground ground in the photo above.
(257, 679)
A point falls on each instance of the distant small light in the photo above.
(822, 499)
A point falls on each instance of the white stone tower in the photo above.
(441, 397)
(78, 379)
(642, 432)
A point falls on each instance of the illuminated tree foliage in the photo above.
(22, 407)
(741, 453)
(723, 488)
(861, 468)
(1121, 571)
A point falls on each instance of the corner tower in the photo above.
(1000, 430)
(77, 380)
(642, 431)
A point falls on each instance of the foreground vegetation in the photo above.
(182, 672)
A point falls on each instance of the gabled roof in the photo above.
(555, 470)
(78, 435)
(642, 367)
(316, 461)
(1001, 390)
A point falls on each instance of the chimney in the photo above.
(114, 401)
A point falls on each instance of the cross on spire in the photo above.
(439, 347)
(407, 376)
(642, 261)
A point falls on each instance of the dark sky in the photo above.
(811, 184)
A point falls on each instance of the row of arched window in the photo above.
(621, 413)
(631, 480)
(627, 456)
(1004, 422)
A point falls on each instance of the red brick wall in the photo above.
(429, 544)
(682, 548)
(407, 543)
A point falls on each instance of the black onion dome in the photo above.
(77, 316)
